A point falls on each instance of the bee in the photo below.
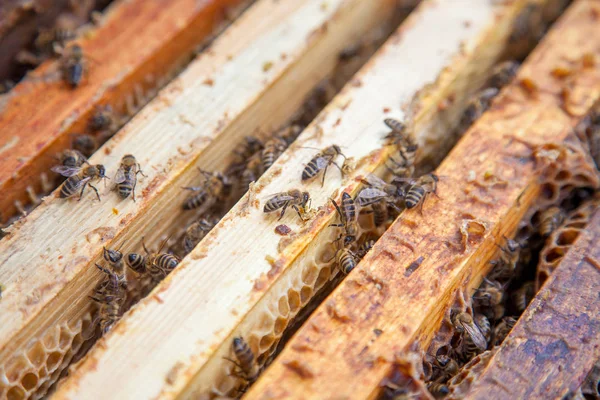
(195, 233)
(115, 259)
(489, 299)
(522, 296)
(503, 73)
(448, 367)
(253, 170)
(550, 220)
(321, 162)
(377, 191)
(86, 144)
(102, 119)
(478, 104)
(418, 189)
(404, 166)
(365, 248)
(72, 158)
(246, 362)
(348, 219)
(398, 136)
(380, 213)
(438, 390)
(272, 150)
(249, 149)
(126, 176)
(296, 199)
(79, 178)
(502, 330)
(111, 296)
(484, 326)
(74, 66)
(473, 341)
(215, 187)
(52, 41)
(346, 260)
(158, 264)
(506, 264)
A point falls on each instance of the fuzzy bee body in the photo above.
(272, 150)
(245, 360)
(502, 330)
(73, 66)
(348, 219)
(438, 390)
(346, 260)
(102, 119)
(215, 187)
(72, 158)
(321, 162)
(136, 262)
(296, 199)
(380, 213)
(111, 296)
(79, 178)
(365, 247)
(473, 341)
(195, 233)
(86, 144)
(489, 299)
(484, 326)
(419, 189)
(126, 177)
(550, 220)
(165, 262)
(522, 296)
(115, 259)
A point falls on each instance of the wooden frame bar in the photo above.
(381, 309)
(201, 307)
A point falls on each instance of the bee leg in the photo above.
(298, 211)
(139, 171)
(283, 211)
(133, 190)
(324, 174)
(95, 190)
(82, 189)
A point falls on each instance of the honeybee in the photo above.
(522, 296)
(503, 73)
(296, 199)
(215, 187)
(74, 66)
(478, 104)
(158, 264)
(484, 326)
(473, 341)
(71, 158)
(506, 264)
(346, 260)
(195, 233)
(272, 150)
(348, 219)
(52, 41)
(447, 366)
(79, 178)
(246, 362)
(418, 189)
(550, 220)
(378, 190)
(102, 119)
(126, 176)
(489, 299)
(438, 390)
(249, 149)
(404, 166)
(115, 260)
(380, 213)
(86, 144)
(365, 248)
(502, 330)
(111, 296)
(253, 170)
(321, 162)
(398, 136)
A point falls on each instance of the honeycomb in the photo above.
(32, 372)
(460, 384)
(559, 242)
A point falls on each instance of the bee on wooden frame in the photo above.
(79, 178)
(473, 341)
(157, 264)
(248, 368)
(348, 216)
(111, 296)
(126, 176)
(418, 189)
(74, 65)
(295, 198)
(216, 187)
(321, 162)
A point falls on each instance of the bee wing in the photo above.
(120, 176)
(81, 182)
(476, 335)
(370, 195)
(322, 162)
(65, 171)
(282, 196)
(374, 181)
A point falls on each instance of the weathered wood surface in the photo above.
(348, 345)
(255, 76)
(234, 281)
(136, 45)
(556, 342)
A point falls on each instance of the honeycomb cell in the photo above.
(65, 338)
(15, 367)
(563, 176)
(29, 381)
(554, 254)
(323, 278)
(567, 237)
(542, 276)
(284, 308)
(77, 342)
(305, 294)
(50, 340)
(37, 354)
(53, 360)
(280, 324)
(265, 343)
(293, 300)
(309, 275)
(549, 192)
(15, 393)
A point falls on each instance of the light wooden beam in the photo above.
(556, 342)
(136, 47)
(488, 183)
(245, 279)
(254, 76)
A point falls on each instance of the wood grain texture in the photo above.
(225, 94)
(232, 282)
(136, 45)
(385, 310)
(556, 342)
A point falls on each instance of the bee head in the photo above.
(238, 342)
(101, 170)
(305, 198)
(112, 256)
(349, 239)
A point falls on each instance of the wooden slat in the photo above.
(557, 339)
(349, 343)
(137, 45)
(255, 76)
(233, 281)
